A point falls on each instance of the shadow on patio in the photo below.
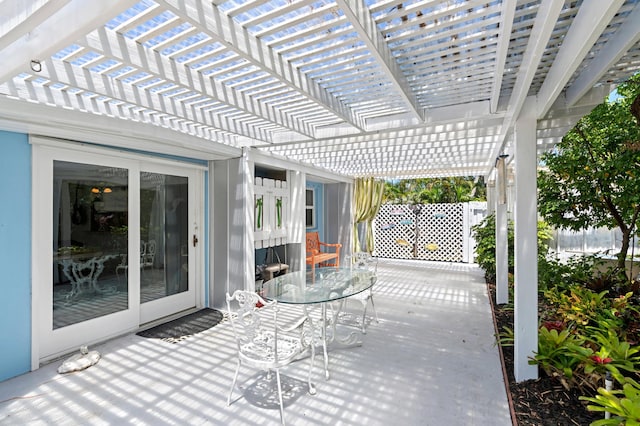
(430, 361)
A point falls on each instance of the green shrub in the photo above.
(623, 404)
(578, 305)
(485, 236)
(560, 352)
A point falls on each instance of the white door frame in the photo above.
(47, 343)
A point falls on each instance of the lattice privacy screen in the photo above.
(423, 231)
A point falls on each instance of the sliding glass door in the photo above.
(115, 245)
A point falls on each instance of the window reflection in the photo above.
(164, 235)
(89, 241)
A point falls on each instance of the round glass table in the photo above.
(321, 286)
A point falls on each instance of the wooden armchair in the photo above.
(317, 254)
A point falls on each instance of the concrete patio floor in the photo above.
(431, 360)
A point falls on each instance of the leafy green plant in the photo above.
(590, 178)
(560, 353)
(552, 273)
(613, 354)
(485, 237)
(623, 404)
(506, 336)
(435, 190)
(579, 305)
(544, 235)
(576, 315)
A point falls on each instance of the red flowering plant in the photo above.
(614, 355)
(598, 362)
(554, 325)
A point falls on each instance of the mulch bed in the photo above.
(541, 402)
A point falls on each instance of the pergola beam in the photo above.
(360, 17)
(44, 36)
(626, 36)
(35, 14)
(226, 31)
(115, 45)
(506, 24)
(543, 26)
(591, 20)
(67, 123)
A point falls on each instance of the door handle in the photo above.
(195, 240)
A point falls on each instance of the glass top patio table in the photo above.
(320, 286)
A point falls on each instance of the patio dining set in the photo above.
(264, 343)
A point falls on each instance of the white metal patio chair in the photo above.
(262, 343)
(364, 260)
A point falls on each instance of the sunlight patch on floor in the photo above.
(430, 360)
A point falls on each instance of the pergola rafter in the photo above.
(245, 45)
(357, 13)
(331, 78)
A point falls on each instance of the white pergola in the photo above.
(390, 88)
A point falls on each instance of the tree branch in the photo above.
(635, 109)
(600, 186)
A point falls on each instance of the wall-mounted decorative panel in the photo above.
(272, 212)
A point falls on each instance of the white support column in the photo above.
(491, 197)
(297, 184)
(502, 236)
(244, 191)
(339, 216)
(232, 223)
(526, 249)
(466, 231)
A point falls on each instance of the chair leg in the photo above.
(364, 316)
(235, 377)
(364, 313)
(280, 396)
(312, 389)
(373, 306)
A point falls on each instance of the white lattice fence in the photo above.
(423, 231)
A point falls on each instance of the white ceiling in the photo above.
(379, 88)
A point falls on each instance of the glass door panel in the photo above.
(164, 234)
(90, 234)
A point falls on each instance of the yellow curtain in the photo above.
(368, 198)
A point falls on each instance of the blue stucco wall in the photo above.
(15, 255)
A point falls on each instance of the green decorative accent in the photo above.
(259, 202)
(279, 212)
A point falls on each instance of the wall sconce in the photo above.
(36, 65)
(501, 167)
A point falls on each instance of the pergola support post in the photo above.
(502, 237)
(525, 240)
